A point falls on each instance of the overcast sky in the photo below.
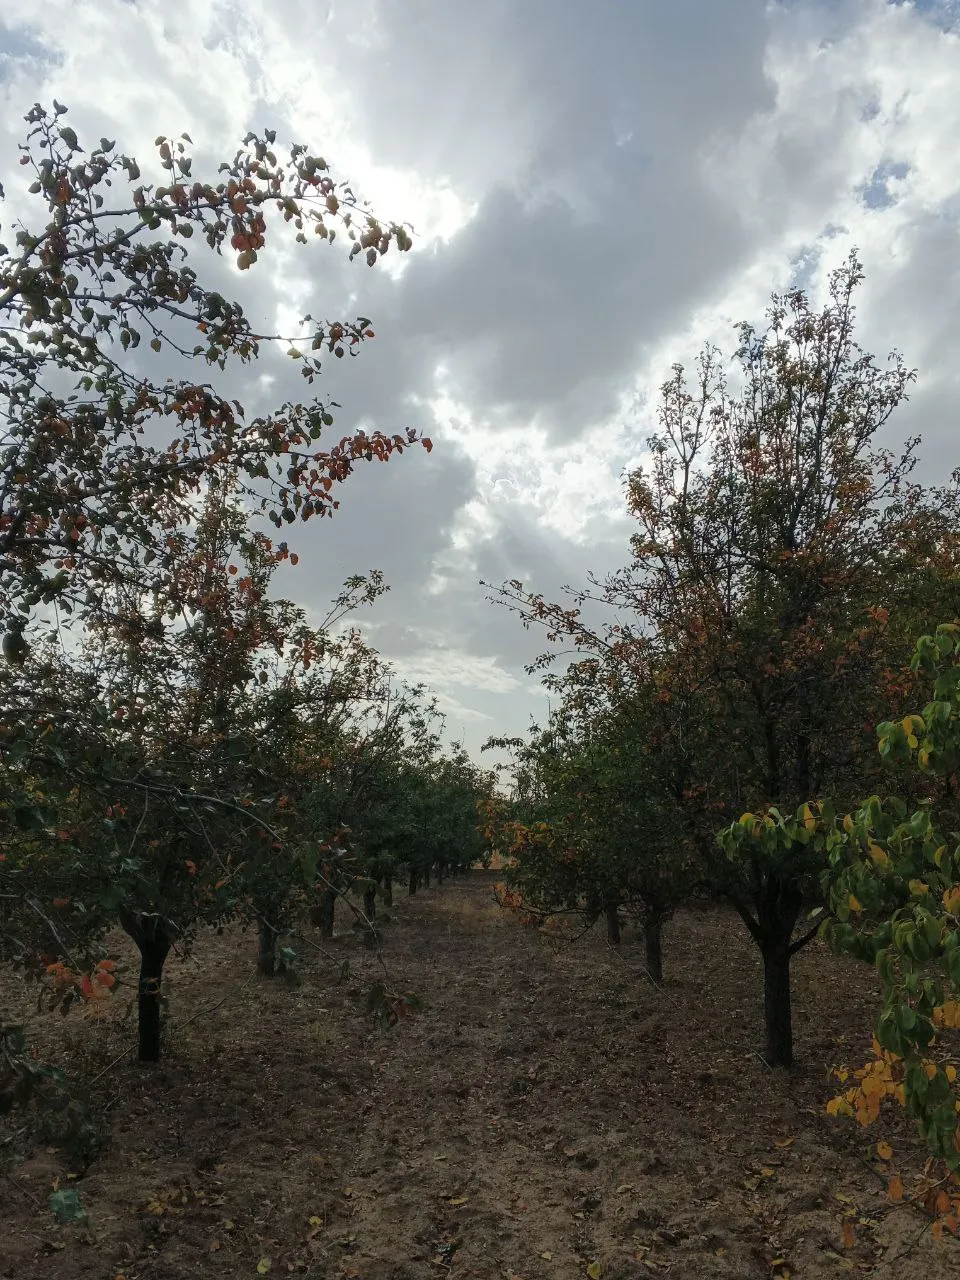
(598, 187)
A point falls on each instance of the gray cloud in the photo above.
(627, 179)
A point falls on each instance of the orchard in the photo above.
(749, 772)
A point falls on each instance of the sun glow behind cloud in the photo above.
(569, 247)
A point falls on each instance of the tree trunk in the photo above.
(426, 877)
(440, 874)
(413, 881)
(613, 924)
(268, 966)
(370, 911)
(776, 1004)
(653, 945)
(386, 884)
(154, 950)
(328, 907)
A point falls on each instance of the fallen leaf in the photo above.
(849, 1235)
(263, 1266)
(547, 1256)
(458, 1200)
(594, 1271)
(783, 1143)
(884, 1151)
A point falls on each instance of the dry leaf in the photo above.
(783, 1143)
(594, 1271)
(458, 1200)
(884, 1151)
(547, 1256)
(849, 1235)
(263, 1266)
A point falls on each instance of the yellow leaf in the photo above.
(263, 1266)
(951, 1073)
(547, 1256)
(768, 1172)
(594, 1271)
(884, 1151)
(458, 1200)
(880, 856)
(783, 1143)
(848, 823)
(839, 1107)
(951, 899)
(853, 903)
(918, 888)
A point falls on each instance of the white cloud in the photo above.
(597, 190)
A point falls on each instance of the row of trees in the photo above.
(178, 747)
(714, 734)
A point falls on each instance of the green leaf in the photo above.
(66, 1206)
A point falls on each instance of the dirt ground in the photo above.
(550, 1114)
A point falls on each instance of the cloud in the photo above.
(597, 189)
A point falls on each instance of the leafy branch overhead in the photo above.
(103, 450)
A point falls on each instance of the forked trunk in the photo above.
(153, 942)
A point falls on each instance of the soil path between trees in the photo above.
(549, 1115)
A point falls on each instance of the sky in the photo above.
(598, 188)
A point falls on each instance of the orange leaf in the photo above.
(895, 1188)
(884, 1151)
(849, 1235)
(109, 965)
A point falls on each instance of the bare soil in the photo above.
(550, 1114)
